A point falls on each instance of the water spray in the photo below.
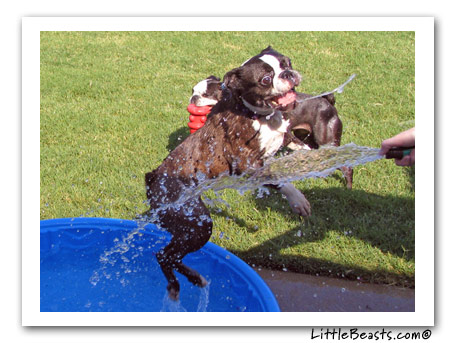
(338, 89)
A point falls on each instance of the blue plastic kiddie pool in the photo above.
(108, 265)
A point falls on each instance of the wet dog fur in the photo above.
(313, 123)
(233, 139)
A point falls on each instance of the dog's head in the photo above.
(264, 82)
(207, 92)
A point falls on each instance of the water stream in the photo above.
(118, 262)
(338, 89)
(298, 165)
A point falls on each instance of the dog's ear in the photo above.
(232, 79)
(214, 78)
(330, 98)
(231, 84)
(268, 49)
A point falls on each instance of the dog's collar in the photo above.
(258, 110)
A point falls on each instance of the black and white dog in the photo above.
(246, 126)
(207, 92)
(312, 123)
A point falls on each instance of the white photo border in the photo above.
(424, 110)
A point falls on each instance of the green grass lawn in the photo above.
(113, 104)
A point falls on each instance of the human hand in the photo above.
(404, 139)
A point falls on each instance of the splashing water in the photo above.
(295, 166)
(204, 298)
(300, 164)
(338, 89)
(118, 251)
(169, 305)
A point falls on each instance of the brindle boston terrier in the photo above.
(313, 122)
(245, 127)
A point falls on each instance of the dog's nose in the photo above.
(194, 99)
(291, 76)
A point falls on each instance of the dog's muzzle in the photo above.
(292, 76)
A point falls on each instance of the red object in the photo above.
(197, 116)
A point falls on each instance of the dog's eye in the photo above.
(266, 80)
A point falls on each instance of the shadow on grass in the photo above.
(177, 137)
(386, 223)
(383, 222)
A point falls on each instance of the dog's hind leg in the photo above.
(348, 174)
(165, 258)
(196, 237)
(192, 233)
(171, 258)
(331, 134)
(192, 275)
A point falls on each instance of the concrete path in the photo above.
(306, 293)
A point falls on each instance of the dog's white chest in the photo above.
(270, 138)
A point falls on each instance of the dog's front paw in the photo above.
(297, 200)
(301, 206)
